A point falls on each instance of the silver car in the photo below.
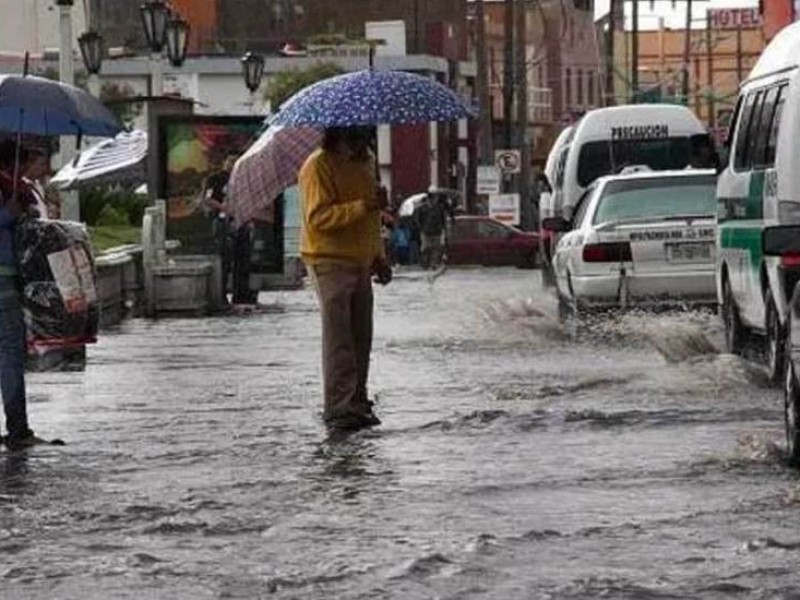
(639, 239)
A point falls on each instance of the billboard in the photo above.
(194, 150)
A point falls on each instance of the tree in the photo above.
(286, 84)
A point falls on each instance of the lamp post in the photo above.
(253, 71)
(70, 205)
(92, 47)
(177, 34)
(155, 15)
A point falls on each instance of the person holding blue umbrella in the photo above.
(16, 201)
(342, 202)
(36, 106)
(342, 248)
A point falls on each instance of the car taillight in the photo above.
(790, 259)
(608, 252)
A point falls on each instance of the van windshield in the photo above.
(657, 197)
(606, 157)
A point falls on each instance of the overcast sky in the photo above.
(673, 18)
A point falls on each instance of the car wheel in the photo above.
(565, 311)
(775, 342)
(792, 414)
(734, 332)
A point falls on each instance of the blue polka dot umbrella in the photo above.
(372, 98)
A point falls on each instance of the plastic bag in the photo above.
(57, 276)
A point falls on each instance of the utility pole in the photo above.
(712, 120)
(523, 120)
(70, 203)
(687, 47)
(508, 74)
(485, 150)
(610, 38)
(634, 94)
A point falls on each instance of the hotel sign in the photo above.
(734, 18)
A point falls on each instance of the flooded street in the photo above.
(513, 462)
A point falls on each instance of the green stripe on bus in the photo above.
(744, 235)
(754, 206)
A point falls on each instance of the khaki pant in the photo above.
(345, 299)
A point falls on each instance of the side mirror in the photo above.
(556, 224)
(781, 240)
(544, 184)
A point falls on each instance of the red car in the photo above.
(481, 240)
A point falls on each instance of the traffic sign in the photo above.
(508, 161)
(505, 208)
(488, 181)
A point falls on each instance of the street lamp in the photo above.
(253, 71)
(177, 40)
(155, 15)
(92, 46)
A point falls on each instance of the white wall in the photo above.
(32, 25)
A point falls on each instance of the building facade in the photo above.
(721, 56)
(33, 26)
(564, 68)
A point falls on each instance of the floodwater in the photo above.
(515, 461)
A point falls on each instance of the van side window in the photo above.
(560, 168)
(742, 131)
(753, 132)
(772, 142)
(758, 158)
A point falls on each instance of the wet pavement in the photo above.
(515, 460)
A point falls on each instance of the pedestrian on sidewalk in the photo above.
(16, 202)
(341, 246)
(35, 171)
(215, 196)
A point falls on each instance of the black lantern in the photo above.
(177, 40)
(155, 16)
(91, 44)
(253, 70)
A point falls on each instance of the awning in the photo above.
(120, 159)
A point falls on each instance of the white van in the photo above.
(607, 140)
(758, 196)
(547, 205)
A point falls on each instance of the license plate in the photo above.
(689, 252)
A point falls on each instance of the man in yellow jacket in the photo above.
(341, 245)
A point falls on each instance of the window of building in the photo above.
(579, 87)
(590, 98)
(568, 88)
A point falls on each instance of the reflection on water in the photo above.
(515, 459)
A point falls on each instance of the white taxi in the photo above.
(640, 238)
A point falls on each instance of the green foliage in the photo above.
(111, 216)
(103, 206)
(285, 84)
(105, 237)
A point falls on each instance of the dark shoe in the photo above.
(29, 441)
(353, 422)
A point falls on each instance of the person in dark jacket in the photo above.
(16, 202)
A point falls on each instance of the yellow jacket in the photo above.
(337, 223)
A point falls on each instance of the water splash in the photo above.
(677, 337)
(522, 318)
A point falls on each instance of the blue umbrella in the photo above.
(38, 106)
(372, 98)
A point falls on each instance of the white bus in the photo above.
(758, 196)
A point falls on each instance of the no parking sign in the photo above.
(508, 161)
